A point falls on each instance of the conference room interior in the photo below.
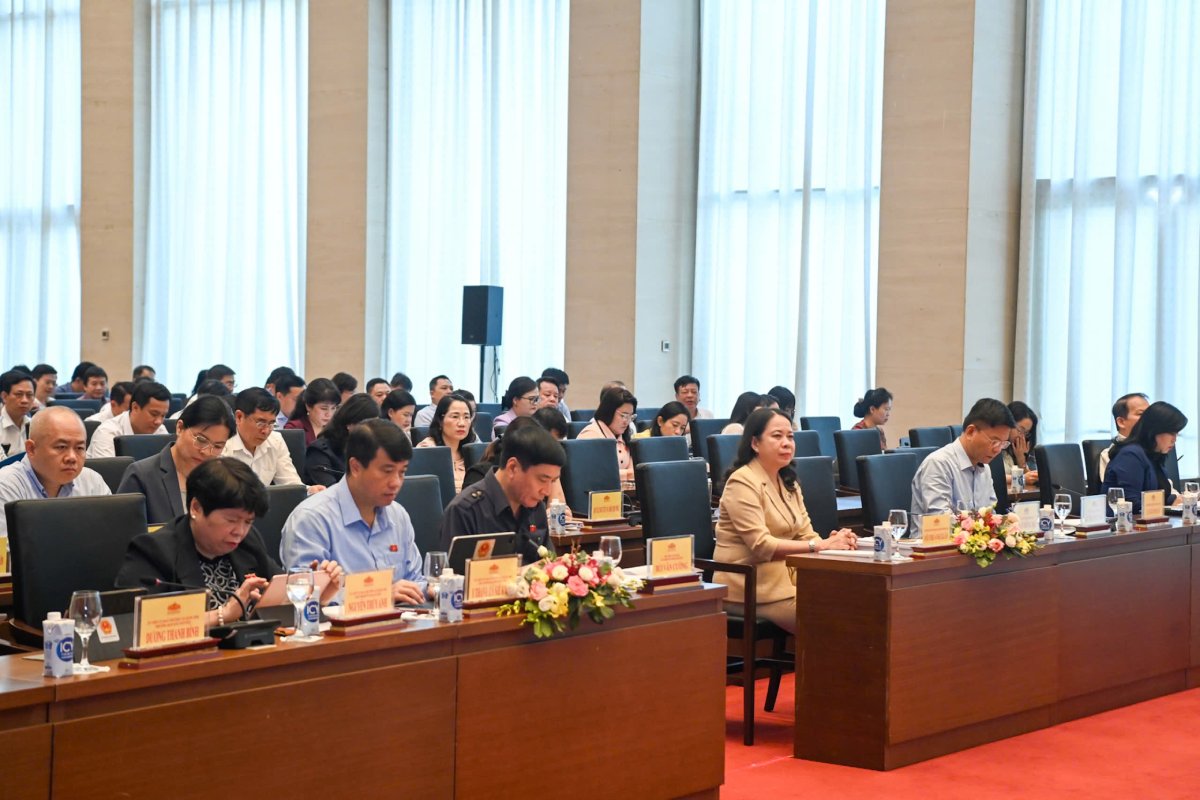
(965, 281)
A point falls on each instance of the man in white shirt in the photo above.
(1126, 413)
(439, 387)
(257, 444)
(53, 463)
(687, 391)
(95, 383)
(45, 378)
(16, 395)
(148, 408)
(119, 398)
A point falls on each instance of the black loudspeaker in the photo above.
(482, 315)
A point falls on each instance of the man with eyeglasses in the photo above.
(439, 387)
(956, 477)
(257, 444)
(148, 408)
(53, 463)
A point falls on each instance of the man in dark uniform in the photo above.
(511, 497)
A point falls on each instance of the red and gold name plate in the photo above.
(670, 556)
(935, 530)
(488, 579)
(1154, 506)
(168, 620)
(368, 594)
(604, 505)
(4, 554)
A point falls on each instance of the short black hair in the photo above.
(557, 375)
(787, 400)
(208, 410)
(344, 381)
(668, 411)
(367, 438)
(402, 381)
(610, 401)
(43, 369)
(145, 391)
(989, 413)
(94, 372)
(684, 380)
(549, 379)
(278, 374)
(213, 387)
(358, 408)
(286, 383)
(1121, 407)
(433, 381)
(371, 384)
(120, 390)
(11, 378)
(227, 483)
(141, 368)
(255, 399)
(396, 400)
(531, 445)
(552, 420)
(80, 370)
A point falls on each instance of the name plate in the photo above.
(1153, 504)
(367, 594)
(1027, 516)
(167, 620)
(935, 530)
(669, 556)
(604, 505)
(488, 579)
(1092, 511)
(4, 566)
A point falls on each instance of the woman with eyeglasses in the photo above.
(614, 420)
(325, 459)
(1021, 443)
(451, 427)
(671, 420)
(1138, 463)
(319, 400)
(200, 435)
(521, 400)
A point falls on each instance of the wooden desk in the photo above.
(898, 663)
(633, 545)
(438, 711)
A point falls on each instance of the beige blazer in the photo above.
(756, 513)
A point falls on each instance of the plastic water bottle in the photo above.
(58, 645)
(556, 518)
(310, 620)
(1046, 522)
(1124, 516)
(1018, 480)
(883, 543)
(1188, 502)
(450, 597)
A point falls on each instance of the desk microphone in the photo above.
(322, 468)
(1057, 487)
(159, 583)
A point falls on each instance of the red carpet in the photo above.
(1151, 749)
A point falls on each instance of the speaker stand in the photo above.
(482, 385)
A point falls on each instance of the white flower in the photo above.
(543, 551)
(1010, 541)
(520, 588)
(613, 580)
(546, 603)
(559, 572)
(585, 573)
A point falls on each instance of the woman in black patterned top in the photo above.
(214, 545)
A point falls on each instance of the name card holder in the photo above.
(168, 629)
(367, 605)
(488, 580)
(605, 506)
(1153, 510)
(1092, 516)
(669, 565)
(936, 540)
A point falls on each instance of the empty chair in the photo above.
(924, 452)
(282, 502)
(435, 461)
(850, 445)
(178, 401)
(956, 431)
(815, 474)
(575, 426)
(421, 497)
(938, 436)
(582, 414)
(722, 450)
(658, 448)
(294, 439)
(65, 544)
(1000, 484)
(824, 426)
(1092, 448)
(591, 467)
(488, 408)
(111, 469)
(1060, 469)
(886, 481)
(83, 406)
(473, 452)
(89, 427)
(483, 426)
(142, 445)
(701, 429)
(808, 443)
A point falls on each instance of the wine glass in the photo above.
(436, 562)
(1062, 507)
(611, 547)
(299, 587)
(85, 610)
(898, 519)
(1115, 495)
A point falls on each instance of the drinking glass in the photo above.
(1191, 487)
(898, 518)
(436, 562)
(611, 547)
(1062, 507)
(299, 587)
(85, 610)
(1115, 495)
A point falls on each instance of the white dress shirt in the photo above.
(103, 444)
(12, 435)
(271, 461)
(19, 482)
(424, 417)
(103, 415)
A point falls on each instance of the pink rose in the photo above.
(996, 545)
(960, 539)
(537, 590)
(576, 586)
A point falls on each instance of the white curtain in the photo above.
(788, 200)
(225, 235)
(1110, 254)
(39, 182)
(477, 120)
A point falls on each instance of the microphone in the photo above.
(322, 468)
(159, 583)
(1058, 487)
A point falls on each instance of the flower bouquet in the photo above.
(984, 534)
(554, 592)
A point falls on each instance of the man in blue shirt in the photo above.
(956, 477)
(357, 522)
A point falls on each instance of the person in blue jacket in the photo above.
(1137, 463)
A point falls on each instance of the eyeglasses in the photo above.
(206, 445)
(627, 415)
(530, 398)
(261, 424)
(998, 444)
